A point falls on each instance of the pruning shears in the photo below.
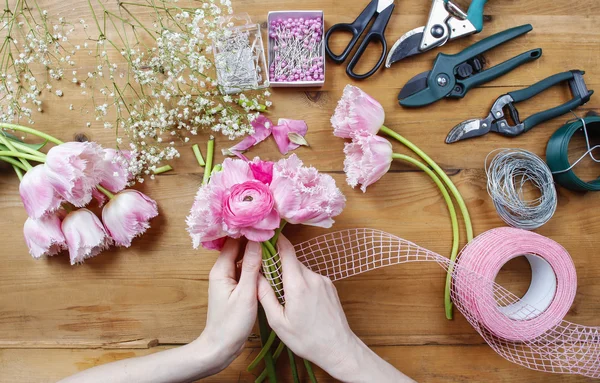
(446, 22)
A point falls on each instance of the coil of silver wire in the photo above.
(513, 173)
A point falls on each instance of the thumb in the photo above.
(269, 302)
(250, 269)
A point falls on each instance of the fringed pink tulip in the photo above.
(357, 111)
(205, 221)
(115, 170)
(127, 216)
(37, 194)
(74, 169)
(44, 236)
(85, 235)
(305, 196)
(289, 133)
(368, 158)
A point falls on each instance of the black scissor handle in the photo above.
(376, 33)
(356, 28)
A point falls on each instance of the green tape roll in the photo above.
(557, 156)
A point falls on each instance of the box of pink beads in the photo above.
(296, 48)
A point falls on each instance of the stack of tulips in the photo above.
(360, 117)
(55, 194)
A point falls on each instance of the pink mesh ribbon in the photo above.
(529, 331)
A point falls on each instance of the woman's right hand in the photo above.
(313, 324)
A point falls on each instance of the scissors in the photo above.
(382, 11)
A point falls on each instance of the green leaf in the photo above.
(14, 138)
(297, 139)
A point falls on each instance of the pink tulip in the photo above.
(115, 170)
(368, 158)
(356, 111)
(262, 130)
(262, 170)
(305, 196)
(44, 236)
(127, 216)
(37, 193)
(74, 169)
(85, 235)
(281, 133)
(205, 221)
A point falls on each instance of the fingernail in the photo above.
(253, 247)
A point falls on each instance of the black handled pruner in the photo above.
(496, 120)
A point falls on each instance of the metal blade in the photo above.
(414, 85)
(407, 45)
(467, 129)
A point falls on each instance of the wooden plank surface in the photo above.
(63, 319)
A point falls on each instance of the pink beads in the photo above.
(297, 45)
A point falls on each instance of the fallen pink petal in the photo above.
(284, 130)
(262, 130)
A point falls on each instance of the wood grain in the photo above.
(129, 302)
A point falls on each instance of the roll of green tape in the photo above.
(557, 156)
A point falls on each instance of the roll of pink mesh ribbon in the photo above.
(530, 331)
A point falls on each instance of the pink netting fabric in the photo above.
(539, 339)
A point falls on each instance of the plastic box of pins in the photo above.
(296, 48)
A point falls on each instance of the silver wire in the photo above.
(509, 173)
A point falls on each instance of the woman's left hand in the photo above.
(232, 305)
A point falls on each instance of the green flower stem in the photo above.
(441, 173)
(266, 347)
(269, 253)
(210, 148)
(4, 140)
(19, 172)
(27, 149)
(105, 192)
(198, 154)
(453, 218)
(276, 354)
(310, 371)
(31, 131)
(263, 327)
(163, 169)
(4, 153)
(277, 233)
(14, 162)
(216, 168)
(293, 366)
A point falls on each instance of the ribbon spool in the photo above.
(557, 154)
(529, 331)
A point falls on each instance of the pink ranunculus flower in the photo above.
(356, 111)
(282, 131)
(115, 170)
(74, 169)
(44, 236)
(127, 216)
(368, 158)
(37, 193)
(305, 196)
(233, 204)
(85, 235)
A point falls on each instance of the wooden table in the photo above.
(56, 319)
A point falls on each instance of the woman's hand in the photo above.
(313, 324)
(232, 305)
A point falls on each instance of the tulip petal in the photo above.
(262, 129)
(85, 235)
(282, 131)
(127, 216)
(37, 194)
(44, 236)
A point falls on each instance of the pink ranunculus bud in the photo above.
(44, 236)
(37, 193)
(115, 170)
(281, 133)
(249, 208)
(305, 196)
(74, 169)
(127, 216)
(85, 235)
(368, 158)
(357, 111)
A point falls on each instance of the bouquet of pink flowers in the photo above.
(56, 192)
(255, 199)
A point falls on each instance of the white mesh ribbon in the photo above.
(530, 331)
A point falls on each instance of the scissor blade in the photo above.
(467, 129)
(414, 85)
(383, 4)
(407, 45)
